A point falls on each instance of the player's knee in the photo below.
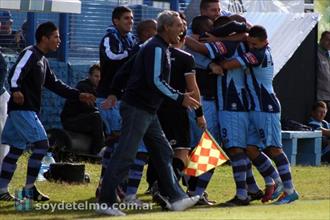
(235, 150)
(273, 151)
(252, 152)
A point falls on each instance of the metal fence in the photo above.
(85, 30)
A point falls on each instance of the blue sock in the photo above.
(283, 167)
(39, 150)
(238, 162)
(9, 166)
(250, 180)
(135, 173)
(202, 182)
(266, 169)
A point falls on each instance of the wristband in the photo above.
(199, 112)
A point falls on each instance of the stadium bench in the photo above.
(302, 147)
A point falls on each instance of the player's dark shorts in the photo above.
(175, 123)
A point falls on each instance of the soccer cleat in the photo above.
(269, 191)
(184, 204)
(109, 211)
(34, 194)
(204, 200)
(236, 202)
(278, 190)
(287, 198)
(6, 197)
(256, 196)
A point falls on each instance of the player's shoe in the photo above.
(287, 198)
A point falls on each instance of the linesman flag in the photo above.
(206, 156)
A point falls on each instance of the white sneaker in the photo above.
(109, 211)
(184, 204)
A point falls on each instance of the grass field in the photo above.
(313, 184)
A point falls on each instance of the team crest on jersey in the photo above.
(221, 47)
(270, 108)
(234, 106)
(251, 58)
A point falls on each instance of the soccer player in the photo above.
(221, 50)
(27, 77)
(264, 115)
(207, 83)
(174, 118)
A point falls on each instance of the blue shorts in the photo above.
(211, 117)
(111, 117)
(234, 128)
(22, 128)
(264, 129)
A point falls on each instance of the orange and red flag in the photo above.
(206, 156)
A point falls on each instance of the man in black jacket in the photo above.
(146, 88)
(81, 117)
(26, 79)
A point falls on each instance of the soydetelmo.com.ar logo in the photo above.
(23, 203)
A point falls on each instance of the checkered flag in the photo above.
(206, 156)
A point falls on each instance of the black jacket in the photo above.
(29, 74)
(74, 108)
(114, 51)
(148, 82)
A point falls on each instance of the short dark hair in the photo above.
(324, 33)
(319, 104)
(205, 3)
(258, 31)
(45, 29)
(201, 24)
(222, 20)
(119, 11)
(94, 67)
(145, 25)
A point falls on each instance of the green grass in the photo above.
(313, 184)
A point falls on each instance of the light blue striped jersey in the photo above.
(232, 94)
(259, 78)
